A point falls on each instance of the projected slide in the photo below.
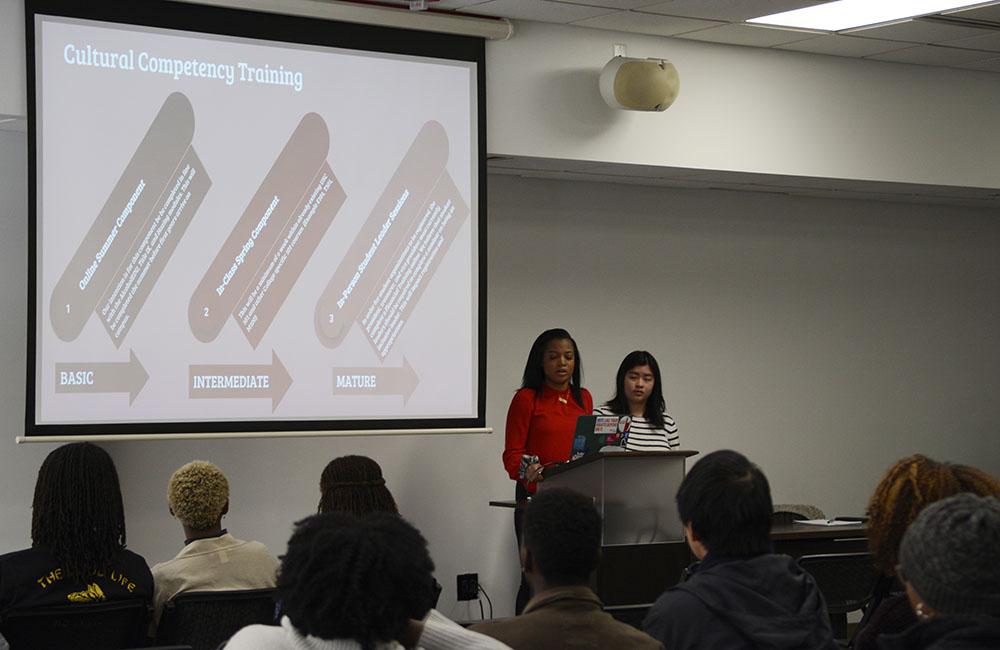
(232, 230)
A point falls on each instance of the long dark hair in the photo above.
(77, 513)
(534, 374)
(354, 484)
(655, 405)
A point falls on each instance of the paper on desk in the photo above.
(824, 522)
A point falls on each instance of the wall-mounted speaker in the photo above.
(639, 84)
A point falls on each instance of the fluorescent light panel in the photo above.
(848, 14)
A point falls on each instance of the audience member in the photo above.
(77, 552)
(740, 594)
(354, 484)
(212, 559)
(950, 567)
(906, 489)
(559, 552)
(350, 583)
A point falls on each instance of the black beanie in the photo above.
(951, 555)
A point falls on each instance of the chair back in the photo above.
(204, 619)
(109, 625)
(786, 513)
(847, 582)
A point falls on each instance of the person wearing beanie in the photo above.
(212, 559)
(950, 566)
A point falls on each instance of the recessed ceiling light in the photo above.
(848, 14)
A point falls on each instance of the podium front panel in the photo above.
(638, 503)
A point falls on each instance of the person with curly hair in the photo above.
(908, 487)
(949, 563)
(354, 484)
(77, 552)
(212, 559)
(357, 583)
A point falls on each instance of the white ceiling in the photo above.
(967, 39)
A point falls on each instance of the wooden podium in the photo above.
(642, 540)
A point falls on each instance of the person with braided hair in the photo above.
(909, 486)
(357, 583)
(77, 552)
(354, 484)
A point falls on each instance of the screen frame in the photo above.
(244, 23)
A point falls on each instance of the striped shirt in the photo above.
(643, 436)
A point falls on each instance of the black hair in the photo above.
(354, 484)
(562, 531)
(655, 405)
(345, 577)
(77, 513)
(534, 374)
(727, 501)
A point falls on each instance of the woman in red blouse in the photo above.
(542, 417)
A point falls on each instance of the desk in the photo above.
(632, 574)
(802, 539)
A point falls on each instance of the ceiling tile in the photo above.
(988, 65)
(736, 34)
(540, 10)
(920, 31)
(990, 41)
(932, 55)
(991, 13)
(631, 21)
(727, 10)
(837, 45)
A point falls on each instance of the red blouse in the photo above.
(542, 425)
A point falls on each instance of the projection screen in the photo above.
(245, 222)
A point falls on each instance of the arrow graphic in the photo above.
(376, 381)
(102, 377)
(240, 381)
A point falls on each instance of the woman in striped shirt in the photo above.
(639, 393)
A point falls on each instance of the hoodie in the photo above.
(763, 602)
(947, 633)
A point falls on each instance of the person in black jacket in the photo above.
(950, 566)
(740, 594)
(77, 552)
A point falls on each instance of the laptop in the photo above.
(596, 433)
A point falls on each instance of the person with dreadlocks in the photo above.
(909, 486)
(357, 583)
(354, 484)
(212, 559)
(77, 552)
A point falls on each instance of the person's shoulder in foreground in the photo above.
(560, 550)
(740, 595)
(566, 617)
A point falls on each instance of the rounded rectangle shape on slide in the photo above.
(263, 221)
(106, 244)
(375, 245)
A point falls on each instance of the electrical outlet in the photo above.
(468, 586)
